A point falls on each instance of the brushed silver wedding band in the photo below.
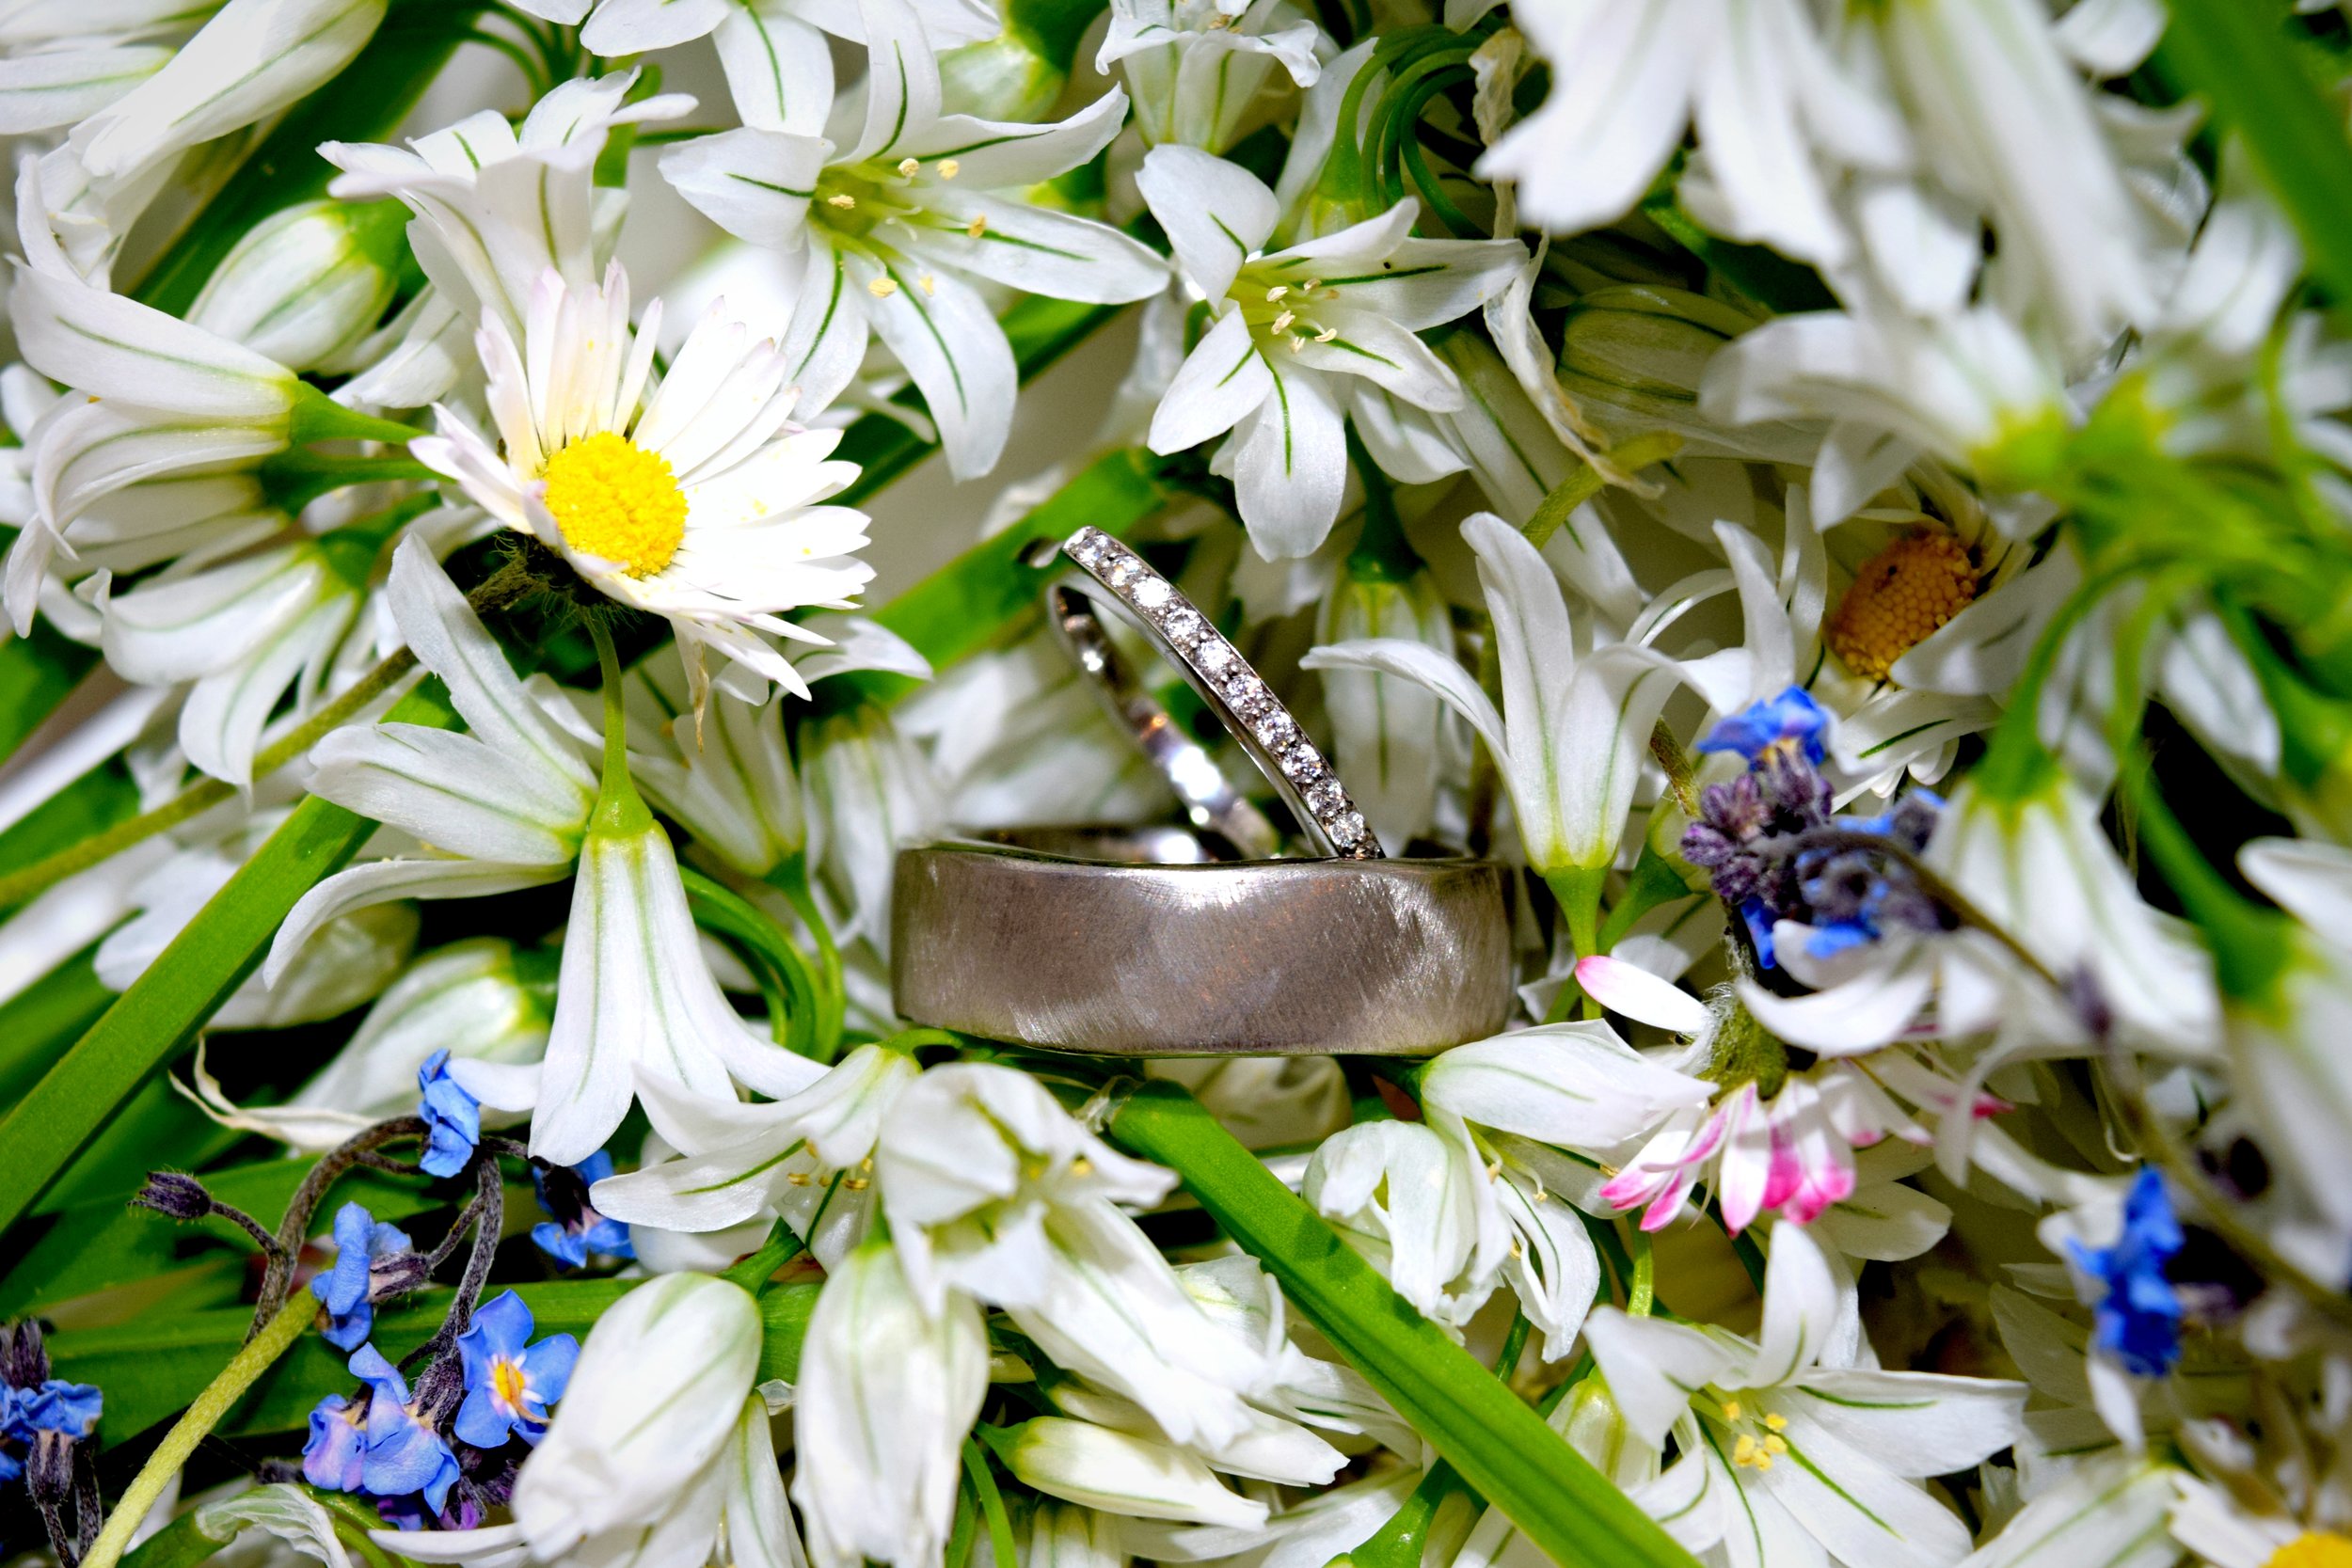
(1116, 576)
(1293, 956)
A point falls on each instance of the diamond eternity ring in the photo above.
(1214, 668)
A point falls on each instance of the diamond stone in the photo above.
(1185, 627)
(1248, 696)
(1088, 548)
(1123, 571)
(1153, 592)
(1325, 796)
(1216, 655)
(1276, 728)
(1348, 830)
(1302, 762)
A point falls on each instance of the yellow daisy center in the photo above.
(2313, 1550)
(615, 499)
(1899, 597)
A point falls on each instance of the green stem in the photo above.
(992, 1502)
(780, 1249)
(620, 812)
(1588, 480)
(502, 588)
(180, 1444)
(792, 880)
(1399, 1543)
(1641, 1294)
(1500, 1444)
(199, 798)
(2239, 56)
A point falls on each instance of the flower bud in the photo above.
(309, 282)
(654, 1394)
(1001, 78)
(1119, 1473)
(887, 1393)
(480, 1000)
(1643, 340)
(1388, 733)
(174, 1195)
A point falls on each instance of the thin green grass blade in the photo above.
(2238, 53)
(1498, 1442)
(150, 1024)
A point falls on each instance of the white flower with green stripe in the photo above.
(1302, 336)
(899, 233)
(1794, 1448)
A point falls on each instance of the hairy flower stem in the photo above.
(278, 1278)
(442, 1384)
(503, 587)
(180, 1444)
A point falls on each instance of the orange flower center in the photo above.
(1899, 597)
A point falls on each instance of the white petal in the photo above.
(1287, 458)
(1221, 380)
(1217, 214)
(380, 882)
(944, 333)
(1636, 993)
(779, 69)
(1913, 1423)
(902, 79)
(756, 184)
(1654, 1367)
(1037, 251)
(1801, 1306)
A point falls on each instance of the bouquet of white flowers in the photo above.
(587, 978)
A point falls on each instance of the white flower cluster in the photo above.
(1848, 500)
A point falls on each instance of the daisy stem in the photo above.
(619, 811)
(180, 1444)
(502, 587)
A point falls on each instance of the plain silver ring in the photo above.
(1263, 958)
(1244, 703)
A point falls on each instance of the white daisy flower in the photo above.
(688, 496)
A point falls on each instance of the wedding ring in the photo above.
(1211, 803)
(1289, 956)
(1245, 703)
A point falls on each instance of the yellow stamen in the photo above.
(1899, 597)
(614, 499)
(507, 1383)
(977, 227)
(909, 167)
(1082, 1166)
(930, 284)
(2316, 1548)
(842, 199)
(1743, 1452)
(1276, 292)
(950, 168)
(1283, 322)
(1775, 1443)
(1777, 1423)
(856, 1183)
(1326, 334)
(883, 287)
(798, 1179)
(1731, 1410)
